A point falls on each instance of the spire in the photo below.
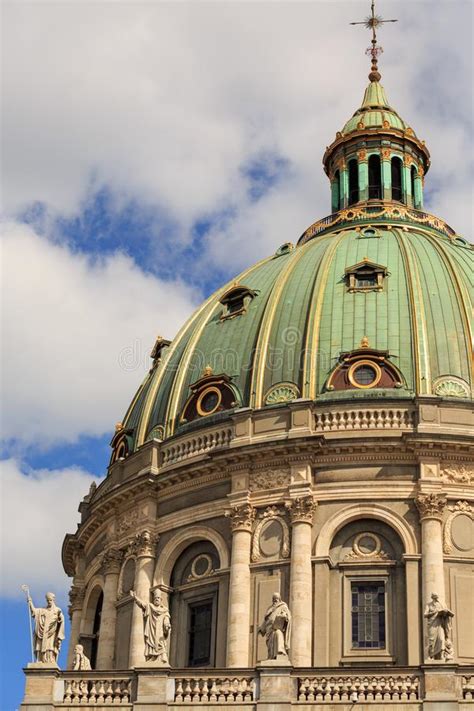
(371, 23)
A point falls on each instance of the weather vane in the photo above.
(371, 23)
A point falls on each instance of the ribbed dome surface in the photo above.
(303, 317)
(375, 112)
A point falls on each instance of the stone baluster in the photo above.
(431, 507)
(106, 652)
(238, 625)
(76, 603)
(301, 606)
(144, 548)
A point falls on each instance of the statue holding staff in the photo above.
(48, 630)
(157, 627)
(439, 620)
(276, 628)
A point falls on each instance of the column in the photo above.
(386, 158)
(407, 194)
(363, 169)
(301, 580)
(106, 651)
(238, 623)
(144, 548)
(431, 507)
(76, 600)
(418, 197)
(344, 184)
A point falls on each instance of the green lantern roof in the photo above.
(375, 112)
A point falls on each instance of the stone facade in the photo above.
(328, 511)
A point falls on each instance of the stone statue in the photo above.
(439, 621)
(157, 627)
(49, 629)
(276, 628)
(80, 661)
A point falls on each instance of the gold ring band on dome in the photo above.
(370, 364)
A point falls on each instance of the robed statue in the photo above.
(80, 662)
(157, 628)
(439, 620)
(276, 628)
(48, 630)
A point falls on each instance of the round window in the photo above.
(364, 374)
(209, 401)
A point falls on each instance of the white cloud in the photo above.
(77, 336)
(166, 101)
(38, 507)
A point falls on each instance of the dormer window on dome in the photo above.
(236, 301)
(209, 395)
(363, 369)
(365, 276)
(121, 443)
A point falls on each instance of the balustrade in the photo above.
(217, 689)
(381, 688)
(380, 419)
(103, 690)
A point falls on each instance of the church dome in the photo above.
(381, 294)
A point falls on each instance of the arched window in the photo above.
(412, 180)
(368, 574)
(353, 182)
(194, 605)
(209, 395)
(375, 178)
(397, 179)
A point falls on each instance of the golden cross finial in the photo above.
(371, 23)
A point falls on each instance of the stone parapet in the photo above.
(263, 687)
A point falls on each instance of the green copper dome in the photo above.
(375, 301)
(303, 316)
(375, 112)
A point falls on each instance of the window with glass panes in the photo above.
(368, 615)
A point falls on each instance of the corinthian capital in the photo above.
(241, 517)
(143, 545)
(76, 598)
(431, 505)
(302, 509)
(112, 560)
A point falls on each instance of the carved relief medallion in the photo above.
(271, 538)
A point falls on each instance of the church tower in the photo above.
(287, 519)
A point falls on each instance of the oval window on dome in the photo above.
(364, 374)
(209, 401)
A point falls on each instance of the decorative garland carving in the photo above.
(127, 521)
(358, 554)
(241, 517)
(275, 514)
(431, 505)
(458, 473)
(194, 575)
(460, 507)
(302, 509)
(270, 479)
(398, 212)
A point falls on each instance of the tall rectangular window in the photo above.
(368, 615)
(200, 630)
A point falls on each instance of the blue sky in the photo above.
(151, 152)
